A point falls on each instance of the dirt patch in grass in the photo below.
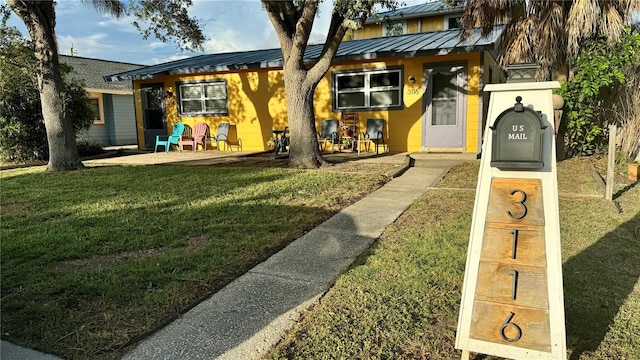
(354, 167)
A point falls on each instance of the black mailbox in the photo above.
(517, 139)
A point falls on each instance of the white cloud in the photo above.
(83, 46)
(221, 45)
(229, 26)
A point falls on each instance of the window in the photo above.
(444, 99)
(452, 22)
(368, 89)
(94, 104)
(392, 28)
(203, 98)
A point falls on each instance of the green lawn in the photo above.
(401, 299)
(93, 259)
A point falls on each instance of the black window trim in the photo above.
(201, 82)
(359, 71)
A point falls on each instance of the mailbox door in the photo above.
(444, 101)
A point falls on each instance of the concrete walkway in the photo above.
(251, 314)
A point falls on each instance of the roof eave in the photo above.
(198, 70)
(488, 43)
(412, 16)
(411, 54)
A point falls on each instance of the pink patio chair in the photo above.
(199, 136)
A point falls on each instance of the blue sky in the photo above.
(230, 25)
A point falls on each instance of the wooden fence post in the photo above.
(610, 165)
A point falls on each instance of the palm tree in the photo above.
(548, 32)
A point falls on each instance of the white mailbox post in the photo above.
(512, 299)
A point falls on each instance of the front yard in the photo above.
(401, 299)
(94, 259)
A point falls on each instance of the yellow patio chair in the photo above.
(228, 135)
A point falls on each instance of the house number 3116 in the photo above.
(515, 330)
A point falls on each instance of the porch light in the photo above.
(522, 72)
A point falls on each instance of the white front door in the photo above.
(444, 112)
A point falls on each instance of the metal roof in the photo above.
(409, 45)
(92, 72)
(420, 10)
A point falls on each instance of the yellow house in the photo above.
(425, 85)
(429, 16)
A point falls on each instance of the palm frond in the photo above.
(518, 40)
(484, 14)
(611, 24)
(550, 36)
(582, 22)
(111, 7)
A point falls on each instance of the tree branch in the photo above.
(336, 32)
(279, 13)
(303, 28)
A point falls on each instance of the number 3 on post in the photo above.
(520, 202)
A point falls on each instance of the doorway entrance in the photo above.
(444, 111)
(153, 114)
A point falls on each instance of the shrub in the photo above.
(88, 148)
(593, 95)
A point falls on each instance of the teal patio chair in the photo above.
(168, 140)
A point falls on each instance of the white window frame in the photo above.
(448, 17)
(99, 119)
(386, 24)
(204, 112)
(367, 89)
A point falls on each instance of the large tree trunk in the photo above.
(293, 26)
(293, 22)
(39, 18)
(304, 151)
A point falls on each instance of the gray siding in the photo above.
(119, 122)
(96, 134)
(123, 129)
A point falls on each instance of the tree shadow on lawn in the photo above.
(597, 282)
(251, 313)
(141, 270)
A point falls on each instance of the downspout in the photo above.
(480, 105)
